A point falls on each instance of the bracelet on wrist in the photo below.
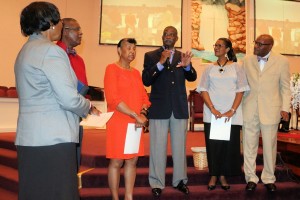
(233, 110)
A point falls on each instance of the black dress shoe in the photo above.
(156, 192)
(211, 187)
(271, 187)
(250, 186)
(225, 187)
(223, 182)
(212, 183)
(284, 130)
(182, 188)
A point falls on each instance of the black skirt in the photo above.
(48, 172)
(224, 157)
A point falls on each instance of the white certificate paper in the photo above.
(95, 120)
(219, 130)
(132, 141)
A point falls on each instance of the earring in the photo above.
(226, 56)
(53, 27)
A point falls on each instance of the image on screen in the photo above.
(143, 20)
(281, 19)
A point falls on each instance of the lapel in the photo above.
(176, 58)
(255, 64)
(269, 63)
(158, 53)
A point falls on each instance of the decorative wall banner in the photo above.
(213, 19)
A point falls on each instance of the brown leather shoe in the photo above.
(182, 188)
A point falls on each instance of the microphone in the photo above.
(168, 59)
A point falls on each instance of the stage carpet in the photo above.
(93, 175)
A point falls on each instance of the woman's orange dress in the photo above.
(122, 85)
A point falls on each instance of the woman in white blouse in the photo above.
(222, 86)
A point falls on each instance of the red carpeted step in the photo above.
(7, 195)
(9, 178)
(8, 158)
(98, 177)
(288, 190)
(94, 155)
(7, 141)
(104, 193)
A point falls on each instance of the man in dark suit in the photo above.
(166, 70)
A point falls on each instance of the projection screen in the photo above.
(281, 19)
(143, 20)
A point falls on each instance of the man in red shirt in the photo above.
(70, 38)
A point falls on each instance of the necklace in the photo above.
(222, 70)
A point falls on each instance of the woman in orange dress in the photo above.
(127, 98)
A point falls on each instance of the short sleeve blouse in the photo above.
(222, 89)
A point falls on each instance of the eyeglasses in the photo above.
(259, 44)
(169, 34)
(218, 45)
(74, 29)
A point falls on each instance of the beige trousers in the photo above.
(251, 134)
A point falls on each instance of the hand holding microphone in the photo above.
(165, 56)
